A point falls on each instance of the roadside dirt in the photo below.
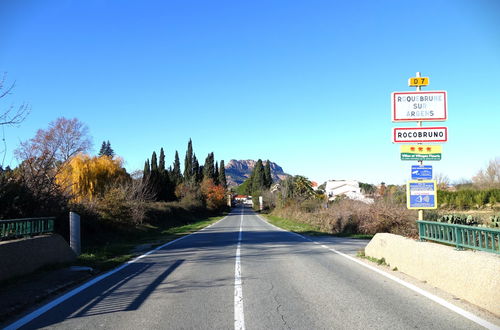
(28, 292)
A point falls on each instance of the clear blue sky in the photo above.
(304, 83)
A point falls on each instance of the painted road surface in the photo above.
(243, 273)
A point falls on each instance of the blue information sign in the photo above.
(421, 172)
(421, 194)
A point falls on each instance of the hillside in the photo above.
(238, 171)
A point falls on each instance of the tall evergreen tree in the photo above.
(222, 174)
(216, 174)
(268, 179)
(106, 149)
(161, 164)
(147, 169)
(103, 149)
(209, 168)
(154, 162)
(196, 170)
(188, 162)
(176, 171)
(165, 187)
(258, 178)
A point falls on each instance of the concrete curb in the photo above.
(469, 275)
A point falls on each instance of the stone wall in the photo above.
(23, 256)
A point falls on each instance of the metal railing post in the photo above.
(458, 238)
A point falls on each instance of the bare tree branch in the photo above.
(12, 115)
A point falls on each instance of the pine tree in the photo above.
(216, 174)
(106, 149)
(222, 174)
(109, 151)
(188, 162)
(176, 171)
(268, 179)
(103, 149)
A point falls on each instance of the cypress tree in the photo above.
(176, 171)
(268, 179)
(258, 178)
(222, 174)
(147, 169)
(154, 162)
(196, 170)
(154, 177)
(161, 165)
(188, 162)
(164, 183)
(216, 174)
(208, 168)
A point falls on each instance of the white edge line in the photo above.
(410, 286)
(45, 308)
(239, 316)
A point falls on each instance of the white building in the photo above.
(348, 188)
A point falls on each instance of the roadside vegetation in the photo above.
(57, 173)
(301, 227)
(294, 205)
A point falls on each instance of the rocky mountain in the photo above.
(238, 171)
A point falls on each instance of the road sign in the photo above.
(419, 106)
(421, 172)
(420, 152)
(419, 134)
(421, 194)
(418, 81)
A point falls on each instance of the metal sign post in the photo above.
(421, 162)
(420, 106)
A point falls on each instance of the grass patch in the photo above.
(294, 226)
(112, 254)
(381, 262)
(307, 229)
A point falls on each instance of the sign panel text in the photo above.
(419, 134)
(421, 194)
(419, 106)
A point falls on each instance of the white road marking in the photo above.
(436, 299)
(45, 308)
(239, 317)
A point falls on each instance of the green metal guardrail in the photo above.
(478, 238)
(15, 228)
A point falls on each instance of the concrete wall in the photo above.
(470, 275)
(23, 256)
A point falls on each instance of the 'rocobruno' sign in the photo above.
(419, 134)
(419, 106)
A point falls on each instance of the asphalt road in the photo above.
(279, 281)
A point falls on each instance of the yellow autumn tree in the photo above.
(86, 178)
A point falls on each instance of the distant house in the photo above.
(240, 198)
(347, 188)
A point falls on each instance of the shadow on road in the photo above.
(117, 293)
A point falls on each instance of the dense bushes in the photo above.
(349, 216)
(468, 198)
